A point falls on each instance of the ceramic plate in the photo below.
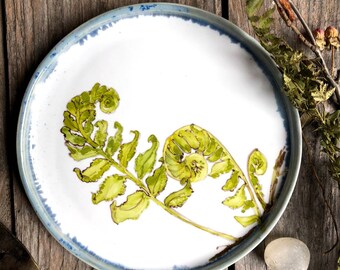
(199, 108)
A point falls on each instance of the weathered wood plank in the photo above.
(306, 217)
(39, 25)
(33, 28)
(5, 182)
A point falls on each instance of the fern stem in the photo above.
(125, 171)
(332, 62)
(171, 211)
(188, 221)
(250, 190)
(303, 22)
(276, 173)
(141, 185)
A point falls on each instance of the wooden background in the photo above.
(30, 28)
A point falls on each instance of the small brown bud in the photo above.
(319, 36)
(319, 33)
(331, 32)
(332, 37)
(288, 9)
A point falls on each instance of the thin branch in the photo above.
(317, 52)
(303, 22)
(332, 63)
(293, 27)
(310, 45)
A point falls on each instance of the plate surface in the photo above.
(172, 66)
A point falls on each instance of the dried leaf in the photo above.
(288, 9)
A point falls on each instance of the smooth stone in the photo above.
(287, 254)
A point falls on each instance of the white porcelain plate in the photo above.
(172, 66)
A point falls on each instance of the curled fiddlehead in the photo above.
(192, 154)
(185, 155)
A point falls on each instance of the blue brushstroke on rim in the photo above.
(89, 30)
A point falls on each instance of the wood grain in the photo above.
(5, 182)
(306, 216)
(33, 27)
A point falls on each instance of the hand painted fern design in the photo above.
(190, 154)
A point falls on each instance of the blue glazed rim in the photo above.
(100, 23)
